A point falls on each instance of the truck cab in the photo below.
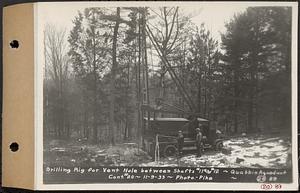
(162, 132)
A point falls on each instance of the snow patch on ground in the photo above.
(260, 152)
(250, 152)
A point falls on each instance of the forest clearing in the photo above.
(238, 152)
(122, 82)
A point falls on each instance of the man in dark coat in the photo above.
(199, 142)
(180, 141)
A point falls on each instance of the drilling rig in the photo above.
(159, 133)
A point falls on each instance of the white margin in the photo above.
(159, 186)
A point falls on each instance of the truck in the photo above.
(162, 133)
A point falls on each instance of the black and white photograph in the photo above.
(164, 93)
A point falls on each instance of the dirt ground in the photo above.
(250, 152)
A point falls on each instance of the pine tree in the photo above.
(253, 53)
(89, 54)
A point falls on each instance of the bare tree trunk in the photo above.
(251, 99)
(199, 93)
(145, 58)
(126, 130)
(139, 81)
(205, 94)
(95, 129)
(208, 90)
(113, 76)
(236, 93)
(183, 74)
(253, 82)
(134, 132)
(250, 113)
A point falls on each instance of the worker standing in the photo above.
(199, 142)
(180, 141)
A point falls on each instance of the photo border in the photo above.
(159, 186)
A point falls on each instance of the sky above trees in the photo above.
(213, 15)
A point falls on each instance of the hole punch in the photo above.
(14, 44)
(14, 147)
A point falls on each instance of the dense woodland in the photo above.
(117, 59)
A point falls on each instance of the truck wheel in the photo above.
(170, 150)
(219, 145)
